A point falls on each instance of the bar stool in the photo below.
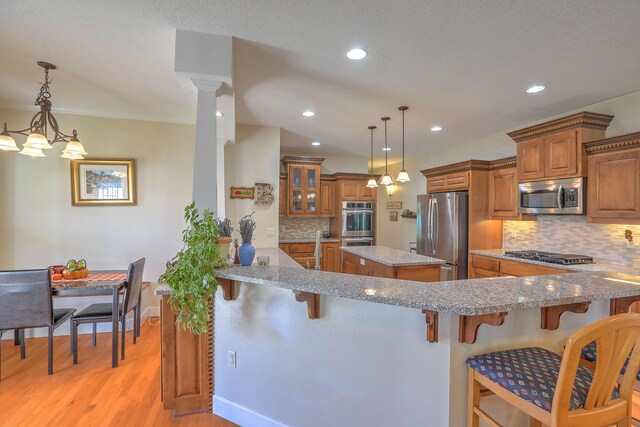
(557, 390)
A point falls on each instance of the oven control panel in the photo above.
(571, 198)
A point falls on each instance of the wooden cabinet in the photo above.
(356, 191)
(503, 193)
(331, 257)
(304, 190)
(485, 266)
(451, 182)
(187, 377)
(282, 197)
(354, 264)
(555, 149)
(531, 160)
(614, 184)
(327, 199)
(304, 253)
(561, 155)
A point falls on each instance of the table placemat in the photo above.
(98, 276)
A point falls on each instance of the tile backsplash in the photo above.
(302, 228)
(572, 234)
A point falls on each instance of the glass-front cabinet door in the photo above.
(304, 189)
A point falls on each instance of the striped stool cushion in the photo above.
(531, 373)
(589, 354)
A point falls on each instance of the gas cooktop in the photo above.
(551, 257)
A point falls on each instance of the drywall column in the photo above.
(205, 166)
(221, 210)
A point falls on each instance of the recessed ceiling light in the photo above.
(308, 113)
(356, 54)
(315, 143)
(535, 89)
(436, 128)
(219, 114)
(386, 149)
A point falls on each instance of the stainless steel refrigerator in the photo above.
(443, 231)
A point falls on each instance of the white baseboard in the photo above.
(242, 416)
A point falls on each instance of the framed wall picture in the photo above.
(394, 205)
(242, 193)
(96, 182)
(393, 216)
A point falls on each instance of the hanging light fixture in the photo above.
(403, 176)
(372, 181)
(38, 129)
(386, 178)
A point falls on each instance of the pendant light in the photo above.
(372, 181)
(403, 176)
(386, 178)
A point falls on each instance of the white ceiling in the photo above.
(464, 65)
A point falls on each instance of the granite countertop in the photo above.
(462, 297)
(595, 267)
(277, 258)
(391, 257)
(311, 240)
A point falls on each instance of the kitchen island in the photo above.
(315, 348)
(381, 261)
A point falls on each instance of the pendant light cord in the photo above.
(386, 172)
(372, 128)
(402, 139)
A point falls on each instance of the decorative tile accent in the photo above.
(571, 234)
(303, 228)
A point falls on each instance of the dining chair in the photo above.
(558, 390)
(26, 301)
(103, 312)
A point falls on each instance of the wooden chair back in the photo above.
(616, 338)
(25, 299)
(134, 285)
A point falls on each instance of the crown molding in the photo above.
(622, 142)
(584, 119)
(507, 162)
(469, 165)
(206, 84)
(302, 160)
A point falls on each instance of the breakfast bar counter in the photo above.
(359, 339)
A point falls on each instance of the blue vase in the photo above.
(246, 253)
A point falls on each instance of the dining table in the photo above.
(99, 282)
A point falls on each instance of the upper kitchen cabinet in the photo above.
(303, 183)
(555, 149)
(357, 190)
(282, 195)
(613, 194)
(327, 199)
(503, 189)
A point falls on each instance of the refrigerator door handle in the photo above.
(435, 225)
(429, 225)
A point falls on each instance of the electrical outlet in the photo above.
(361, 261)
(271, 232)
(231, 358)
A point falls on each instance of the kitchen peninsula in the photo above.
(380, 261)
(360, 340)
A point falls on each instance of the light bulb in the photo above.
(37, 140)
(7, 143)
(403, 176)
(372, 183)
(386, 179)
(32, 152)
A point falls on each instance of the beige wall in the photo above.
(255, 157)
(40, 227)
(626, 110)
(336, 163)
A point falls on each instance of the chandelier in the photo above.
(43, 123)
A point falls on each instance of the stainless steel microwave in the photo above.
(556, 197)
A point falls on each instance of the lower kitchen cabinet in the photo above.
(354, 264)
(485, 266)
(304, 254)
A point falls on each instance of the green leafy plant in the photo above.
(191, 275)
(246, 227)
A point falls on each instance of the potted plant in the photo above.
(191, 275)
(224, 235)
(246, 227)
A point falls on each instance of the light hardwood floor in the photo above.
(90, 393)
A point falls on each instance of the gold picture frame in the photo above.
(394, 205)
(242, 193)
(103, 182)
